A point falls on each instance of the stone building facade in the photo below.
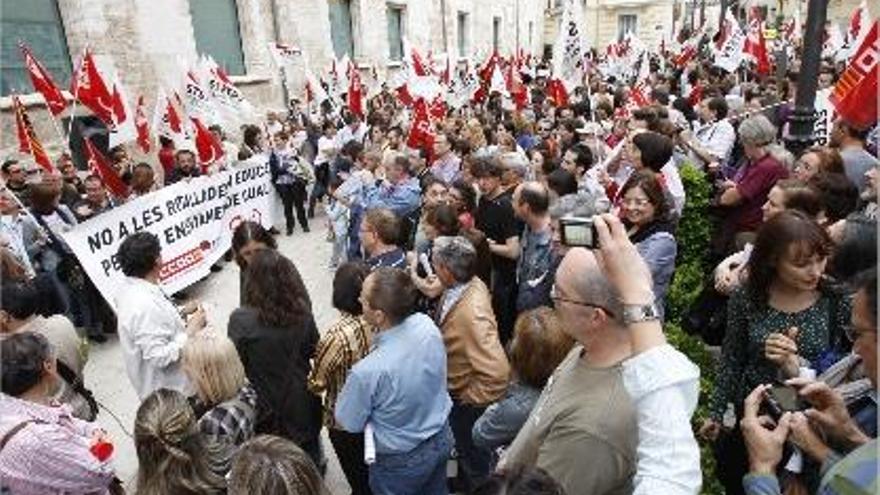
(150, 42)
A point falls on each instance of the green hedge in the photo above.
(692, 266)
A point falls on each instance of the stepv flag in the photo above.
(99, 165)
(43, 82)
(855, 94)
(89, 87)
(755, 45)
(208, 148)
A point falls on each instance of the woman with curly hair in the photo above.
(275, 334)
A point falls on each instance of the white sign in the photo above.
(193, 220)
(825, 114)
(730, 55)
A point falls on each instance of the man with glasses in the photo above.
(583, 429)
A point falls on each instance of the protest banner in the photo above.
(194, 221)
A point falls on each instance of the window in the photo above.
(626, 23)
(38, 24)
(395, 32)
(496, 32)
(215, 24)
(462, 34)
(340, 27)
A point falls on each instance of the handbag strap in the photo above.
(76, 383)
(17, 428)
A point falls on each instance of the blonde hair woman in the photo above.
(173, 457)
(225, 403)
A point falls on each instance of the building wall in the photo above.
(149, 42)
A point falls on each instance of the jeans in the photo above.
(293, 195)
(421, 471)
(474, 463)
(319, 190)
(339, 251)
(349, 448)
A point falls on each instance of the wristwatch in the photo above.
(640, 313)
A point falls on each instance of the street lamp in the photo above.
(801, 130)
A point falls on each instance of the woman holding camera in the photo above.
(646, 213)
(781, 320)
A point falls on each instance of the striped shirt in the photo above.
(50, 454)
(342, 345)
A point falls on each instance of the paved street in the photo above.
(105, 372)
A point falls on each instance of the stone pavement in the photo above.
(105, 371)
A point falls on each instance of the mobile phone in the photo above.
(781, 399)
(426, 265)
(578, 232)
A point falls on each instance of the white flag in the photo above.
(569, 52)
(730, 55)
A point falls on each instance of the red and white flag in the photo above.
(123, 129)
(208, 148)
(729, 45)
(90, 88)
(142, 125)
(168, 119)
(315, 92)
(43, 82)
(855, 94)
(859, 26)
(755, 45)
(569, 51)
(99, 165)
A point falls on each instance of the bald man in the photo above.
(583, 429)
(537, 262)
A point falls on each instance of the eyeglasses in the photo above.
(634, 201)
(554, 295)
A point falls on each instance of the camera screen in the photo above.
(578, 234)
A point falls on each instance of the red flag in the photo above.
(637, 95)
(855, 94)
(355, 93)
(27, 138)
(99, 165)
(118, 106)
(174, 120)
(557, 93)
(420, 135)
(516, 88)
(43, 82)
(21, 126)
(437, 110)
(89, 88)
(208, 147)
(404, 96)
(142, 126)
(755, 45)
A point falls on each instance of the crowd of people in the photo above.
(501, 295)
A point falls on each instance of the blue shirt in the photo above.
(399, 387)
(402, 198)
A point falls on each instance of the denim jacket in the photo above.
(501, 421)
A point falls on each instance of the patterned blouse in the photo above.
(743, 365)
(343, 345)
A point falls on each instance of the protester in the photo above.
(399, 192)
(446, 166)
(19, 232)
(275, 334)
(184, 167)
(537, 348)
(398, 391)
(495, 218)
(818, 159)
(477, 368)
(142, 180)
(15, 179)
(379, 235)
(783, 319)
(536, 264)
(173, 455)
(96, 200)
(852, 472)
(224, 403)
(19, 303)
(152, 331)
(270, 465)
(646, 213)
(45, 448)
(850, 141)
(534, 481)
(584, 417)
(713, 142)
(291, 177)
(342, 345)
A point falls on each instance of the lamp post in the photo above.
(804, 116)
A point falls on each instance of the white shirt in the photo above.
(326, 150)
(152, 334)
(12, 236)
(346, 134)
(665, 386)
(718, 139)
(674, 186)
